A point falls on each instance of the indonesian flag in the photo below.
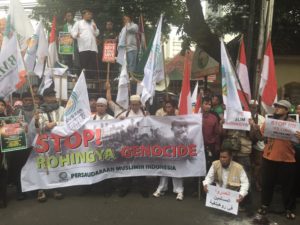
(242, 72)
(53, 56)
(185, 101)
(196, 99)
(53, 62)
(268, 82)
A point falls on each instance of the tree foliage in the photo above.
(174, 11)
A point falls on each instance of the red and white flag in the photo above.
(53, 56)
(185, 101)
(268, 82)
(242, 72)
(53, 61)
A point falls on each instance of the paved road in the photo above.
(95, 209)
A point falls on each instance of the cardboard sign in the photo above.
(241, 122)
(222, 199)
(12, 134)
(109, 51)
(65, 44)
(281, 129)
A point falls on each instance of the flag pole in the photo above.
(165, 75)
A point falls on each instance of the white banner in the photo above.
(281, 129)
(222, 199)
(241, 122)
(143, 146)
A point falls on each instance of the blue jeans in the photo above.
(131, 60)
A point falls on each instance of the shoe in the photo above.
(41, 196)
(263, 210)
(157, 194)
(290, 215)
(179, 196)
(58, 195)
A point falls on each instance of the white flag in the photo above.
(77, 111)
(229, 89)
(122, 96)
(154, 68)
(37, 51)
(20, 22)
(46, 82)
(12, 70)
(195, 96)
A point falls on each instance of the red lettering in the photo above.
(156, 150)
(125, 152)
(77, 142)
(56, 138)
(98, 137)
(42, 145)
(166, 152)
(88, 135)
(182, 150)
(192, 150)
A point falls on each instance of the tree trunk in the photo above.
(199, 31)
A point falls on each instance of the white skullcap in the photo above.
(135, 98)
(102, 101)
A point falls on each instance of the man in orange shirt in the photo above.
(279, 164)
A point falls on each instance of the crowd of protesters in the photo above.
(240, 160)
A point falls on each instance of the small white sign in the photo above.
(281, 129)
(222, 199)
(240, 123)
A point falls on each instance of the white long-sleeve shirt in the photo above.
(87, 35)
(210, 178)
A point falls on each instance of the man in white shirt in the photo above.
(227, 174)
(86, 31)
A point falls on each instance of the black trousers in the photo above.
(3, 187)
(274, 172)
(89, 62)
(16, 161)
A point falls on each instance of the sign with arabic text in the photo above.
(222, 199)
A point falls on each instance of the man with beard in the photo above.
(51, 115)
(86, 31)
(17, 159)
(228, 174)
(279, 164)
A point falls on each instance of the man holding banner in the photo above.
(279, 163)
(51, 116)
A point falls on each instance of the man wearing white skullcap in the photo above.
(101, 107)
(135, 108)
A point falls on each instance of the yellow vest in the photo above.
(233, 180)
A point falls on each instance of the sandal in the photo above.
(58, 195)
(290, 215)
(41, 196)
(262, 210)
